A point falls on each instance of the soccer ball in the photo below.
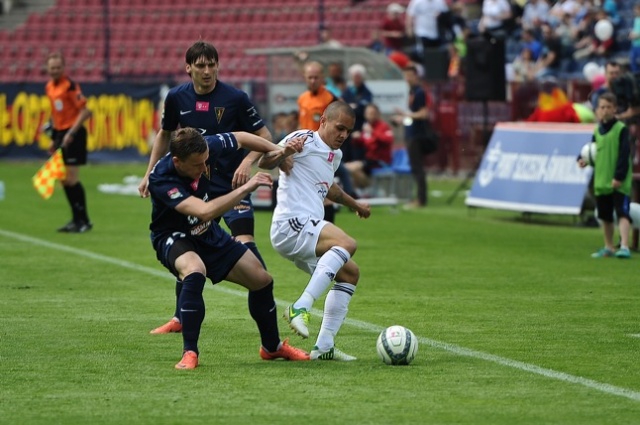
(588, 153)
(397, 345)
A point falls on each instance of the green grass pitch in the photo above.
(516, 323)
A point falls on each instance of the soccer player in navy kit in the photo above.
(212, 107)
(189, 242)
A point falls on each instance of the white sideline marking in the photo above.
(456, 349)
(634, 335)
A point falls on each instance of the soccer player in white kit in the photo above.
(316, 246)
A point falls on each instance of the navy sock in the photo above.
(262, 308)
(178, 290)
(253, 248)
(192, 309)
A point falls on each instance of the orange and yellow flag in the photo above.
(45, 179)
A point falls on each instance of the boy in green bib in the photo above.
(611, 176)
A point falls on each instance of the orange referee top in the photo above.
(67, 101)
(311, 106)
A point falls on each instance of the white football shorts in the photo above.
(296, 240)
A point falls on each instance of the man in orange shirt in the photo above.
(68, 114)
(311, 106)
(313, 102)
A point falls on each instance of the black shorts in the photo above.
(616, 201)
(76, 152)
(219, 260)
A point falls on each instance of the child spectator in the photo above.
(612, 176)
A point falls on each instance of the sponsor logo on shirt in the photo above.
(202, 106)
(174, 193)
(330, 158)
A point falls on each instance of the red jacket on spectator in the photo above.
(377, 139)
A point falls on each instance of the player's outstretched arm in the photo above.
(159, 149)
(274, 159)
(218, 206)
(243, 172)
(336, 194)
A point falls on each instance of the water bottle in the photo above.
(1, 190)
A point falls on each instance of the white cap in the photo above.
(395, 8)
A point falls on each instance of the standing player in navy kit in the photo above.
(211, 107)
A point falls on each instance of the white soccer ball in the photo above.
(397, 345)
(588, 153)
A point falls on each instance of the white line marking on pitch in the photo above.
(634, 335)
(456, 349)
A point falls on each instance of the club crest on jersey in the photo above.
(174, 193)
(219, 112)
(202, 106)
(331, 155)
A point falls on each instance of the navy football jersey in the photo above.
(168, 189)
(223, 110)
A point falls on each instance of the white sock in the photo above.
(328, 266)
(336, 306)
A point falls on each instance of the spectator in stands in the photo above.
(421, 22)
(530, 43)
(393, 31)
(376, 44)
(549, 60)
(535, 13)
(634, 36)
(376, 139)
(524, 67)
(495, 17)
(213, 107)
(279, 125)
(311, 105)
(611, 72)
(455, 32)
(590, 46)
(327, 40)
(612, 177)
(565, 31)
(562, 7)
(358, 96)
(415, 127)
(602, 49)
(335, 82)
(68, 113)
(610, 7)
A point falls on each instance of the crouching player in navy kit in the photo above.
(191, 244)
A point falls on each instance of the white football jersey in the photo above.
(302, 192)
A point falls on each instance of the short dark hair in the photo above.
(201, 49)
(609, 97)
(336, 108)
(187, 141)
